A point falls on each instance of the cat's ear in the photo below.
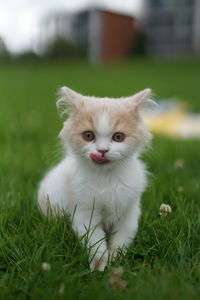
(141, 100)
(69, 101)
(142, 97)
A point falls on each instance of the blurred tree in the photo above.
(27, 56)
(4, 53)
(61, 48)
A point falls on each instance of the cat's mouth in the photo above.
(99, 159)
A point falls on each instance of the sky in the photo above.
(20, 19)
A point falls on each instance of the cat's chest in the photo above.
(105, 191)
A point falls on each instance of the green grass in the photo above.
(164, 261)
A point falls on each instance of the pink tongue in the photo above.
(97, 157)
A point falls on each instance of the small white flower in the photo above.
(165, 209)
(46, 266)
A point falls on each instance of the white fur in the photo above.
(98, 198)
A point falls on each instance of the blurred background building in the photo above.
(172, 27)
(103, 33)
(106, 35)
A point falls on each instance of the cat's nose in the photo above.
(103, 151)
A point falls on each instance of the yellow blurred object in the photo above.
(167, 123)
(170, 118)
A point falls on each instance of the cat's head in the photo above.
(104, 131)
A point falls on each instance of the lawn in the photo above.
(164, 261)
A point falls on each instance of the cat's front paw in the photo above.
(99, 262)
(113, 253)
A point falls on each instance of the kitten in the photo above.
(100, 180)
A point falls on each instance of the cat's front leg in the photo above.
(87, 225)
(124, 231)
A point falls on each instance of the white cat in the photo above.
(100, 180)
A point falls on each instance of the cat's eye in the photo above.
(118, 137)
(88, 136)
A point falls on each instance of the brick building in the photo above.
(106, 34)
(111, 35)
